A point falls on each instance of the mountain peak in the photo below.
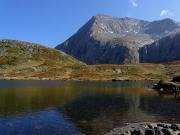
(101, 15)
(107, 39)
(166, 20)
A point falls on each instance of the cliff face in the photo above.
(110, 40)
(163, 50)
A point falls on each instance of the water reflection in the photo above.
(80, 107)
(47, 122)
(167, 107)
(97, 114)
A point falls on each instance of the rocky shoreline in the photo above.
(147, 129)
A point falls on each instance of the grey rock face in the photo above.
(110, 40)
(162, 28)
(163, 50)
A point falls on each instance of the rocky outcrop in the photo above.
(164, 50)
(147, 129)
(110, 40)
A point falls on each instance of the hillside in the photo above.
(22, 59)
(109, 40)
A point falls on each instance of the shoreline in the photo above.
(74, 79)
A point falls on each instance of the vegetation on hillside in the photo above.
(23, 60)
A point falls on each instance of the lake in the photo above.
(80, 108)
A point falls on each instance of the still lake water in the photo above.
(76, 108)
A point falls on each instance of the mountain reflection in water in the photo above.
(65, 108)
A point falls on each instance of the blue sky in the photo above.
(51, 22)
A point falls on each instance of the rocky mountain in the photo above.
(164, 50)
(109, 40)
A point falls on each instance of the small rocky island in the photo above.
(147, 129)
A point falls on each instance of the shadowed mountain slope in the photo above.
(164, 50)
(109, 40)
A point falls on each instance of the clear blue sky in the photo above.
(51, 22)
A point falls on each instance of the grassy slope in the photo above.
(121, 72)
(22, 60)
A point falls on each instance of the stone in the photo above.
(175, 127)
(157, 131)
(166, 131)
(149, 132)
(163, 125)
(150, 126)
(136, 132)
(147, 129)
